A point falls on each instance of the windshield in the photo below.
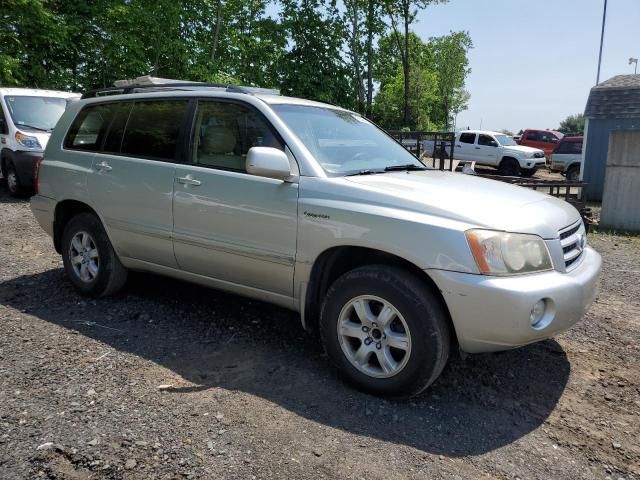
(343, 142)
(505, 140)
(41, 113)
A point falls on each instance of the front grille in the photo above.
(573, 241)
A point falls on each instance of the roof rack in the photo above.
(155, 84)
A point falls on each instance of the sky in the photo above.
(534, 61)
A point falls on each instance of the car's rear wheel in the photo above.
(509, 167)
(89, 259)
(385, 331)
(13, 182)
(528, 172)
(573, 173)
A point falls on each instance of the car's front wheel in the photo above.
(385, 331)
(509, 167)
(13, 181)
(89, 259)
(528, 172)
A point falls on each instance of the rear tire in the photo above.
(573, 173)
(509, 167)
(385, 331)
(89, 260)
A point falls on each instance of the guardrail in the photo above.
(437, 146)
(571, 192)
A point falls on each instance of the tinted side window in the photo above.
(113, 140)
(89, 127)
(4, 128)
(572, 148)
(533, 135)
(224, 133)
(486, 140)
(468, 138)
(153, 129)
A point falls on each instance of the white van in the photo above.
(27, 117)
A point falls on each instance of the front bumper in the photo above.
(25, 163)
(492, 313)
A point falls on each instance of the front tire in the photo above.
(385, 331)
(13, 182)
(528, 172)
(509, 167)
(89, 259)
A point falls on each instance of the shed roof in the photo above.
(618, 97)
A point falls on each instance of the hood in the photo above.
(521, 149)
(477, 201)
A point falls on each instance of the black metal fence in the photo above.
(434, 148)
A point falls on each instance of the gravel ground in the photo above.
(170, 380)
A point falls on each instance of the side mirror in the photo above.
(268, 162)
(494, 143)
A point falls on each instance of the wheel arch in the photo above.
(336, 261)
(509, 157)
(65, 211)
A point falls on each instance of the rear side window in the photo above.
(88, 129)
(533, 135)
(120, 115)
(468, 138)
(153, 129)
(571, 148)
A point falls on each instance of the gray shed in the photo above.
(612, 105)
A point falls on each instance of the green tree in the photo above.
(573, 124)
(313, 66)
(402, 14)
(451, 64)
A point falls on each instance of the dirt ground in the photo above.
(170, 380)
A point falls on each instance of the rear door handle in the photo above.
(189, 180)
(103, 167)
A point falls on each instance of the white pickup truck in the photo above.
(497, 150)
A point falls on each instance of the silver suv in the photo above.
(312, 207)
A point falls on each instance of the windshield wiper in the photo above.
(364, 172)
(409, 166)
(35, 128)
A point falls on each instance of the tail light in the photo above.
(37, 174)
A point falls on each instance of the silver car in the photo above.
(312, 207)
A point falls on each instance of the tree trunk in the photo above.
(405, 64)
(370, 20)
(216, 34)
(355, 55)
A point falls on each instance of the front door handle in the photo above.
(189, 180)
(103, 167)
(477, 148)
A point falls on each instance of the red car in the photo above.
(543, 139)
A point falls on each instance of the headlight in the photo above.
(27, 140)
(502, 253)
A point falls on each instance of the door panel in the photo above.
(228, 224)
(236, 227)
(486, 154)
(134, 197)
(464, 149)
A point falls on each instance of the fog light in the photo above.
(537, 312)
